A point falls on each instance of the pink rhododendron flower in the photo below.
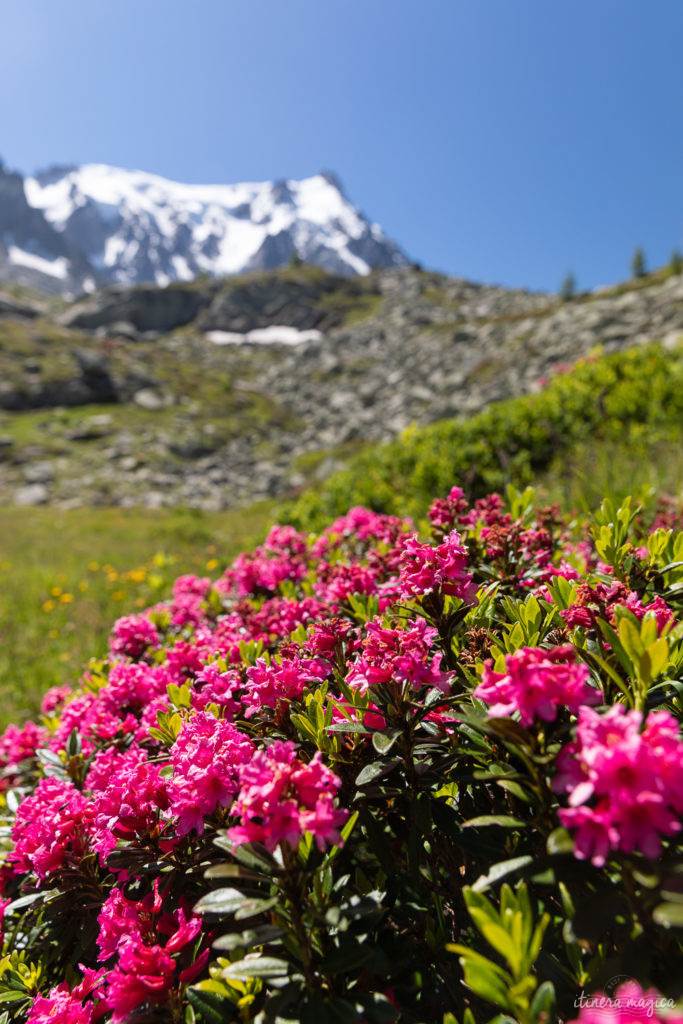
(19, 744)
(628, 1005)
(325, 637)
(206, 758)
(268, 684)
(184, 660)
(444, 568)
(535, 683)
(261, 571)
(281, 798)
(213, 686)
(70, 1007)
(55, 697)
(632, 776)
(52, 828)
(131, 805)
(146, 971)
(133, 635)
(358, 527)
(93, 722)
(446, 513)
(195, 586)
(120, 918)
(280, 616)
(143, 974)
(286, 540)
(130, 687)
(401, 655)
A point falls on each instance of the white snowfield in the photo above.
(55, 268)
(274, 335)
(131, 223)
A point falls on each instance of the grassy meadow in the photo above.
(611, 427)
(67, 575)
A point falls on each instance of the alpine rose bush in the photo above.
(365, 776)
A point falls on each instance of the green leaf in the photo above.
(226, 870)
(250, 908)
(501, 870)
(348, 727)
(542, 1009)
(502, 820)
(252, 855)
(668, 915)
(256, 967)
(486, 983)
(559, 841)
(261, 936)
(210, 1007)
(351, 955)
(13, 996)
(377, 1008)
(384, 741)
(340, 1011)
(629, 635)
(220, 901)
(375, 770)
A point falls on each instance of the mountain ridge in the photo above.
(72, 229)
(214, 394)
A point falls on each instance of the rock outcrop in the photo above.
(205, 425)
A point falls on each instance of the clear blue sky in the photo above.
(502, 140)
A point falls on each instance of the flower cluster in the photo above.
(624, 782)
(281, 798)
(443, 568)
(206, 759)
(404, 656)
(535, 683)
(53, 829)
(365, 683)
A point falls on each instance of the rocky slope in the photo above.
(219, 393)
(69, 230)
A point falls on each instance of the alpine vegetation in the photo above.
(366, 775)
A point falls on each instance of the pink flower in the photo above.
(628, 1005)
(19, 744)
(52, 829)
(146, 971)
(212, 686)
(445, 513)
(132, 686)
(131, 805)
(444, 568)
(281, 798)
(625, 787)
(206, 758)
(93, 722)
(195, 586)
(133, 635)
(268, 684)
(143, 974)
(405, 656)
(120, 918)
(65, 1007)
(535, 683)
(55, 697)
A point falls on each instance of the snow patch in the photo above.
(273, 335)
(55, 268)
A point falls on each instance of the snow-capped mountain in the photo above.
(75, 228)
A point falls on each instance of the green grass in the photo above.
(612, 426)
(67, 575)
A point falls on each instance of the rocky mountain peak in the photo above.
(72, 229)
